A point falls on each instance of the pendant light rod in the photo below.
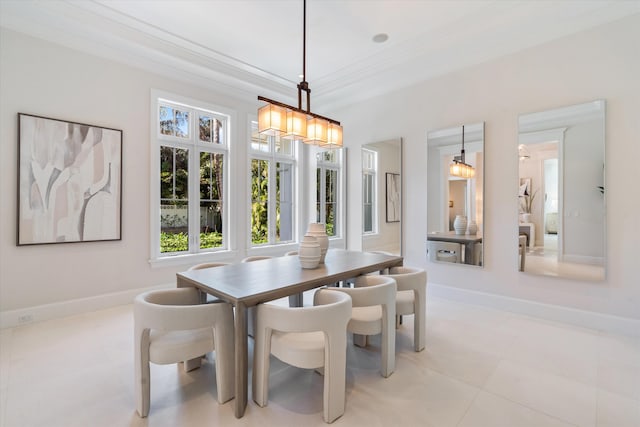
(304, 85)
(462, 151)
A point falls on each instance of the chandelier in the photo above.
(459, 167)
(298, 124)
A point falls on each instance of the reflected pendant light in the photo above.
(298, 124)
(459, 168)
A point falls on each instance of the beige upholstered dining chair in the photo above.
(203, 296)
(256, 258)
(305, 337)
(171, 326)
(374, 312)
(411, 299)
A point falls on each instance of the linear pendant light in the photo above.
(459, 168)
(298, 124)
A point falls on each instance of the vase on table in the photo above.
(460, 224)
(309, 252)
(319, 231)
(472, 228)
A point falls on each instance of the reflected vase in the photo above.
(319, 231)
(472, 228)
(460, 224)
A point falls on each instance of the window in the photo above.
(191, 153)
(369, 191)
(328, 175)
(272, 188)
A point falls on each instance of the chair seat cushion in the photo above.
(301, 349)
(404, 303)
(366, 320)
(176, 346)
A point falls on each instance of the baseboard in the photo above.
(24, 316)
(587, 319)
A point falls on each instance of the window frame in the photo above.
(272, 157)
(196, 147)
(338, 166)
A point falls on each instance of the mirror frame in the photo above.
(442, 145)
(381, 214)
(553, 125)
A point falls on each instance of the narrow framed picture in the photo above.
(393, 197)
(69, 182)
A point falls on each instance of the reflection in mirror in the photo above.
(455, 195)
(561, 192)
(382, 197)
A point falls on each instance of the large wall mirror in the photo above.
(562, 192)
(382, 196)
(455, 195)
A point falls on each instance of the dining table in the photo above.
(248, 284)
(468, 240)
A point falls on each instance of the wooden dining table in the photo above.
(247, 284)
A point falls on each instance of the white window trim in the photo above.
(339, 238)
(156, 259)
(272, 157)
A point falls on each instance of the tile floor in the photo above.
(481, 367)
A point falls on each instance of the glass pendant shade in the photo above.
(296, 125)
(272, 120)
(316, 131)
(334, 136)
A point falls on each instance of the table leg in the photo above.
(241, 360)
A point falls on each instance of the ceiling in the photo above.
(251, 47)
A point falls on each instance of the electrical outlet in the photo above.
(25, 318)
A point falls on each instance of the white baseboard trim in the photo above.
(25, 316)
(587, 319)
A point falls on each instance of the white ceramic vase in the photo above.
(309, 252)
(318, 230)
(460, 224)
(472, 228)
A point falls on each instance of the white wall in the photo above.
(600, 63)
(44, 79)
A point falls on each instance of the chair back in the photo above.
(371, 290)
(208, 265)
(408, 278)
(176, 310)
(256, 258)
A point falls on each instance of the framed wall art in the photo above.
(393, 197)
(69, 182)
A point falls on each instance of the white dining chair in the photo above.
(374, 312)
(411, 299)
(256, 258)
(305, 337)
(444, 251)
(204, 297)
(171, 326)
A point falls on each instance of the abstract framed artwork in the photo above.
(69, 182)
(393, 197)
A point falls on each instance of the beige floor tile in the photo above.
(489, 410)
(568, 400)
(617, 411)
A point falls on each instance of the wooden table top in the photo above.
(254, 282)
(451, 236)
